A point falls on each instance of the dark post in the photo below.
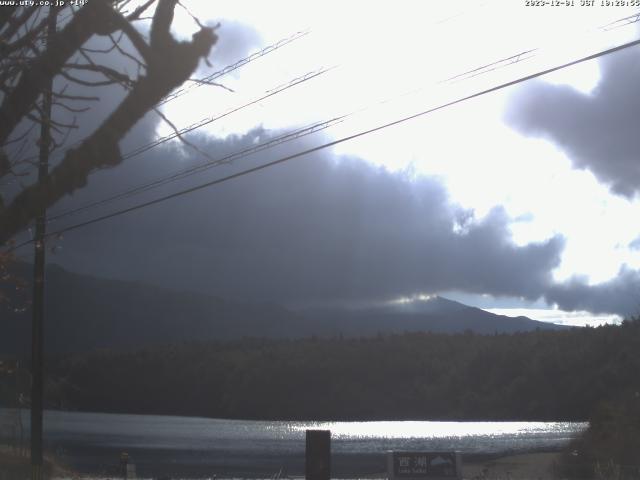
(318, 455)
(37, 349)
(124, 462)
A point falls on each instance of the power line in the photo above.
(525, 55)
(246, 152)
(234, 66)
(206, 121)
(224, 71)
(295, 135)
(505, 62)
(519, 57)
(288, 137)
(490, 67)
(621, 22)
(254, 56)
(333, 143)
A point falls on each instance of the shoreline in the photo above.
(520, 466)
(514, 466)
(177, 447)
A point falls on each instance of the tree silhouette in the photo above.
(28, 63)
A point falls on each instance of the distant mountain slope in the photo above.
(85, 313)
(435, 315)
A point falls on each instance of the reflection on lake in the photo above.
(187, 446)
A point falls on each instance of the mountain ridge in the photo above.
(86, 312)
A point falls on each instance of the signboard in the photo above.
(423, 465)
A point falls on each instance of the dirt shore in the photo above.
(16, 465)
(530, 466)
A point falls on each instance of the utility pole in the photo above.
(37, 333)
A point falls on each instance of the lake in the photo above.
(197, 447)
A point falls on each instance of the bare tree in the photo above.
(27, 64)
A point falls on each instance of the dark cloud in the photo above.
(314, 229)
(235, 41)
(620, 295)
(597, 131)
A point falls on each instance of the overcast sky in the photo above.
(524, 200)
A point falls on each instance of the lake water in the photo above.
(199, 447)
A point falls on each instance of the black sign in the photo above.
(425, 464)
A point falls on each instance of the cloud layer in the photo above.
(619, 295)
(598, 131)
(315, 229)
(321, 229)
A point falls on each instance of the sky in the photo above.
(522, 201)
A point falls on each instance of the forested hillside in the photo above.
(542, 375)
(85, 313)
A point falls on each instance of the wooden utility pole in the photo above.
(37, 331)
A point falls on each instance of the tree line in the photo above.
(540, 375)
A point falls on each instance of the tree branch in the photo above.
(136, 39)
(170, 64)
(135, 15)
(112, 76)
(15, 22)
(161, 24)
(102, 69)
(28, 38)
(70, 109)
(181, 137)
(87, 83)
(5, 164)
(5, 15)
(34, 79)
(77, 98)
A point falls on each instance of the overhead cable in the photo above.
(331, 143)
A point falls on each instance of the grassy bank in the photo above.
(610, 447)
(16, 465)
